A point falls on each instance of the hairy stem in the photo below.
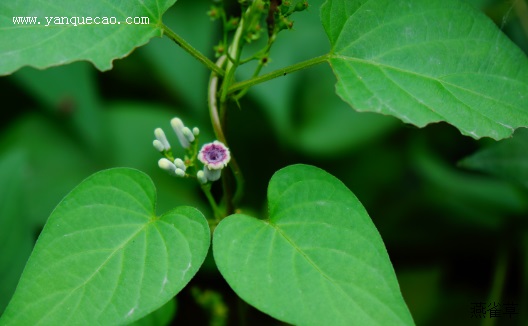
(277, 73)
(192, 51)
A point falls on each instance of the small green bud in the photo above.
(196, 131)
(300, 6)
(232, 23)
(285, 7)
(219, 49)
(213, 13)
(285, 23)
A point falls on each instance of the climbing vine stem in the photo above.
(277, 73)
(192, 51)
(231, 197)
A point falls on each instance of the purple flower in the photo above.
(215, 155)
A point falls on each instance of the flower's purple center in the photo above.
(214, 154)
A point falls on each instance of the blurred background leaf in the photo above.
(68, 91)
(16, 239)
(508, 159)
(464, 197)
(161, 317)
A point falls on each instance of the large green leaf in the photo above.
(507, 158)
(105, 258)
(317, 259)
(41, 46)
(426, 61)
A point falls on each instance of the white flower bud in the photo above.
(160, 136)
(178, 126)
(212, 175)
(201, 177)
(179, 164)
(188, 134)
(167, 165)
(196, 131)
(179, 172)
(158, 145)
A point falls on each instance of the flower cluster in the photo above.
(214, 156)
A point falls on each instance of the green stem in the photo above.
(260, 65)
(234, 54)
(192, 51)
(213, 104)
(499, 279)
(216, 210)
(277, 73)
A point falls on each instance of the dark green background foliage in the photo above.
(451, 210)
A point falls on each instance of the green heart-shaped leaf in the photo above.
(318, 259)
(43, 33)
(425, 61)
(105, 258)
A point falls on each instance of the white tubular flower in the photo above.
(214, 156)
(167, 165)
(178, 126)
(196, 131)
(160, 136)
(179, 172)
(212, 175)
(179, 164)
(200, 175)
(188, 134)
(158, 145)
